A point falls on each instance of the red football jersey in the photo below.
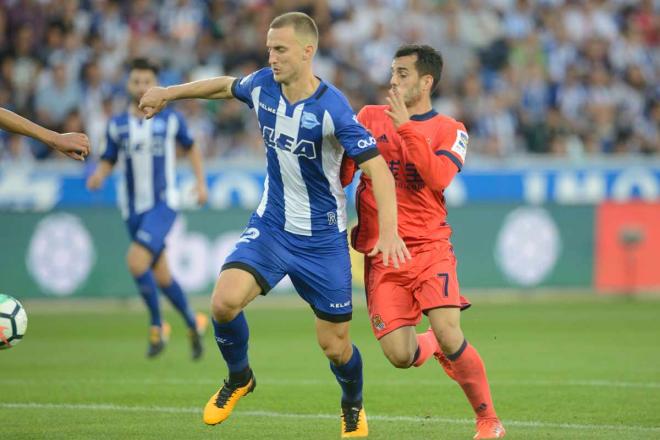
(424, 155)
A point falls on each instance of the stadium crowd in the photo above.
(571, 78)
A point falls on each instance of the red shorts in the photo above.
(398, 297)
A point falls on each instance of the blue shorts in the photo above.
(319, 267)
(151, 227)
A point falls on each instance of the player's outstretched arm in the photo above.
(74, 145)
(389, 242)
(103, 170)
(156, 98)
(201, 189)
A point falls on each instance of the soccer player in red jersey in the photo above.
(424, 151)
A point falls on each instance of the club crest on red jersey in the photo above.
(378, 323)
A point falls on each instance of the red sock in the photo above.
(427, 344)
(470, 374)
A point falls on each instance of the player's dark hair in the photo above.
(301, 22)
(143, 64)
(429, 61)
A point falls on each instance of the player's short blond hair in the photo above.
(303, 25)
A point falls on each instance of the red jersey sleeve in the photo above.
(436, 167)
(347, 171)
(348, 165)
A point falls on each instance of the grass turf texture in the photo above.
(559, 369)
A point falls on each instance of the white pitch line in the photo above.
(579, 383)
(313, 382)
(273, 414)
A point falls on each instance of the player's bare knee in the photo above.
(450, 336)
(163, 281)
(330, 350)
(399, 358)
(334, 355)
(136, 264)
(223, 309)
(163, 278)
(162, 272)
(337, 350)
(224, 314)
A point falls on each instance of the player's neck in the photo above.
(301, 88)
(420, 107)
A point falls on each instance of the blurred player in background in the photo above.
(74, 145)
(299, 229)
(424, 150)
(148, 200)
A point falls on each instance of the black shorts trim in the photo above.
(261, 281)
(344, 317)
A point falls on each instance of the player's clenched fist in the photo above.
(74, 145)
(153, 101)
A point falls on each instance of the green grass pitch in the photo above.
(559, 369)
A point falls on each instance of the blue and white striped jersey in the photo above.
(148, 148)
(305, 142)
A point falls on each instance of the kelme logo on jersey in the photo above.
(267, 108)
(287, 143)
(309, 120)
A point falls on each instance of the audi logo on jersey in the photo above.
(365, 143)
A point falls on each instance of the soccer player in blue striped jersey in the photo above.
(148, 200)
(299, 228)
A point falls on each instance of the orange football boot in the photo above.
(222, 403)
(489, 428)
(354, 422)
(158, 338)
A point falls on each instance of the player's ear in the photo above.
(308, 52)
(428, 83)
